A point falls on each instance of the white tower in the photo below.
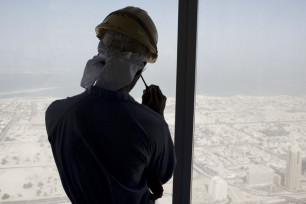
(218, 188)
(293, 169)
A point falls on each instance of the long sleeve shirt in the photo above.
(103, 141)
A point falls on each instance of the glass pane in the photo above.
(44, 46)
(250, 121)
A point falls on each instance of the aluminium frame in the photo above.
(185, 95)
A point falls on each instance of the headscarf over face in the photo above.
(112, 69)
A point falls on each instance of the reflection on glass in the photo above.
(250, 121)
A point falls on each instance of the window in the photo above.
(249, 128)
(250, 102)
(44, 46)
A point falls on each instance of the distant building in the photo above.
(217, 188)
(259, 176)
(304, 166)
(293, 168)
(279, 178)
(277, 201)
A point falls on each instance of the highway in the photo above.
(7, 127)
(61, 200)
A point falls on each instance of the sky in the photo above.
(59, 37)
(244, 46)
(252, 46)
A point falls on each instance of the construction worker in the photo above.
(108, 148)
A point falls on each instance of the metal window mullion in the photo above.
(185, 94)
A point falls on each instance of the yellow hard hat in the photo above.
(135, 23)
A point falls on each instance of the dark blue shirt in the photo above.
(103, 142)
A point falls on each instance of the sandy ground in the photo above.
(231, 133)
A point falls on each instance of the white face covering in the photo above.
(111, 69)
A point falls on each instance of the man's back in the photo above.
(103, 142)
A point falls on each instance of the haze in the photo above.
(244, 47)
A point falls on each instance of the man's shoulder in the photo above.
(62, 104)
(57, 109)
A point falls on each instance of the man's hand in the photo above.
(155, 185)
(154, 99)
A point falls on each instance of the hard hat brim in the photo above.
(125, 23)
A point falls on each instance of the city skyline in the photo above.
(244, 141)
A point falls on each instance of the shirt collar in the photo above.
(114, 95)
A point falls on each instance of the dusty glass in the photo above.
(250, 118)
(44, 46)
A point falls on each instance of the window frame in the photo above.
(185, 99)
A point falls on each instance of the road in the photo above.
(62, 200)
(7, 127)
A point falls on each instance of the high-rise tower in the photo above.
(293, 169)
(218, 189)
